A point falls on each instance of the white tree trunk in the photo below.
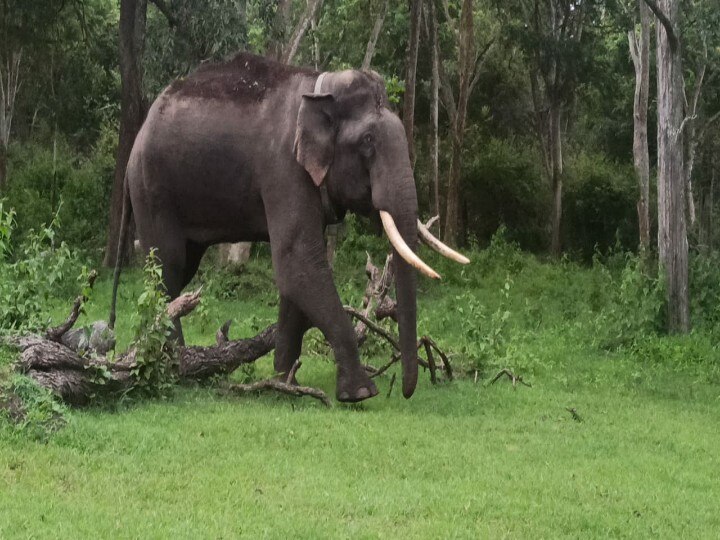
(672, 233)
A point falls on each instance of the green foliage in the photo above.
(503, 185)
(635, 308)
(153, 372)
(705, 290)
(7, 225)
(487, 333)
(599, 206)
(41, 269)
(47, 180)
(28, 410)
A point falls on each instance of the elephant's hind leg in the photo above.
(167, 239)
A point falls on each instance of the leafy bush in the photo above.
(635, 308)
(153, 372)
(40, 269)
(45, 182)
(599, 208)
(503, 185)
(705, 290)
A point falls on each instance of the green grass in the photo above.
(458, 460)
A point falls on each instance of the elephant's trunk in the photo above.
(406, 290)
(400, 223)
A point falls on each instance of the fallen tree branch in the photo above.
(373, 326)
(56, 333)
(510, 375)
(66, 361)
(282, 387)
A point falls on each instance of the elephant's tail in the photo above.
(124, 226)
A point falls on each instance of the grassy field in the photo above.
(458, 460)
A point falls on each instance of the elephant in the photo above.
(249, 149)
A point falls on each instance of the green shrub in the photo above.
(636, 306)
(47, 181)
(503, 185)
(153, 373)
(705, 290)
(40, 269)
(599, 206)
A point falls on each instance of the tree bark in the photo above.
(672, 233)
(557, 176)
(410, 76)
(291, 49)
(279, 29)
(435, 91)
(374, 35)
(467, 63)
(9, 87)
(640, 52)
(133, 108)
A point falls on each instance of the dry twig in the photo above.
(510, 375)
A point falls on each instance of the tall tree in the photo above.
(672, 233)
(640, 52)
(434, 108)
(553, 44)
(133, 107)
(375, 34)
(468, 60)
(410, 76)
(9, 86)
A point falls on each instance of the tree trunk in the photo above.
(133, 107)
(3, 168)
(557, 176)
(640, 52)
(435, 91)
(293, 44)
(374, 35)
(279, 29)
(672, 234)
(467, 62)
(711, 210)
(9, 87)
(412, 55)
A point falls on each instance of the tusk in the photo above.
(402, 248)
(446, 251)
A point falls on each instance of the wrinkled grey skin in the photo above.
(236, 152)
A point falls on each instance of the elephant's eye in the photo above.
(368, 138)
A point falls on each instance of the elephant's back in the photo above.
(244, 79)
(190, 164)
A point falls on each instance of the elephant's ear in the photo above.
(315, 135)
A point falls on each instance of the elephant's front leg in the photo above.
(304, 278)
(292, 325)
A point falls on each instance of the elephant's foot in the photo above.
(354, 386)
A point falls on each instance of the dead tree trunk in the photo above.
(672, 233)
(640, 53)
(133, 107)
(55, 361)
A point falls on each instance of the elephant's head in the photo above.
(348, 139)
